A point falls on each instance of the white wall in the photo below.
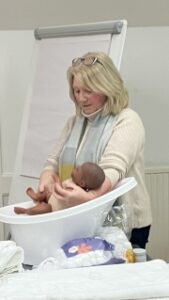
(16, 49)
(145, 69)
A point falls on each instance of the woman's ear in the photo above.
(82, 183)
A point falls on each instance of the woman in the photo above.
(104, 131)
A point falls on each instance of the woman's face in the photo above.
(87, 100)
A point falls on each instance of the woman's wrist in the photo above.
(47, 178)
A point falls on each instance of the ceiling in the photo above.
(30, 14)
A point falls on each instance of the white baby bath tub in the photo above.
(41, 235)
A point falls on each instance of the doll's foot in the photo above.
(20, 210)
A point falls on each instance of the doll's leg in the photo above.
(40, 208)
(39, 196)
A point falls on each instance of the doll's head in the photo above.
(88, 176)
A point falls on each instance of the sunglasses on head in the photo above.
(87, 61)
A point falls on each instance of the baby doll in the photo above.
(88, 176)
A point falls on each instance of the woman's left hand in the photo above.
(72, 195)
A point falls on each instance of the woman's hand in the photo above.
(73, 195)
(47, 181)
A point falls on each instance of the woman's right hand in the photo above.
(47, 181)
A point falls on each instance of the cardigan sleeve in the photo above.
(124, 147)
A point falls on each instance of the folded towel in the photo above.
(146, 280)
(11, 257)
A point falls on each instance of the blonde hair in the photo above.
(101, 77)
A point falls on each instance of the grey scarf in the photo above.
(96, 139)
